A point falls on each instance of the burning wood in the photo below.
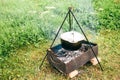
(94, 61)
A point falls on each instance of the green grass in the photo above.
(24, 22)
(28, 26)
(108, 13)
(24, 64)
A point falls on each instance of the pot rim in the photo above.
(72, 36)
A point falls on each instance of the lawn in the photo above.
(24, 63)
(27, 28)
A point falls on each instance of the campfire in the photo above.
(67, 60)
(74, 51)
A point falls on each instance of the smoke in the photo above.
(84, 12)
(86, 16)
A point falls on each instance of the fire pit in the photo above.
(73, 52)
(67, 61)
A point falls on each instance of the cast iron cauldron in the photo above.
(71, 40)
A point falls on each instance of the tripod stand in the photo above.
(69, 13)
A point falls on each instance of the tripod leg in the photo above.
(42, 61)
(87, 40)
(60, 29)
(54, 39)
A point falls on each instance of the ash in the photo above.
(67, 55)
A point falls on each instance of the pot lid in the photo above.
(72, 36)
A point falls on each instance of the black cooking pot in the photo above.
(70, 46)
(71, 40)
